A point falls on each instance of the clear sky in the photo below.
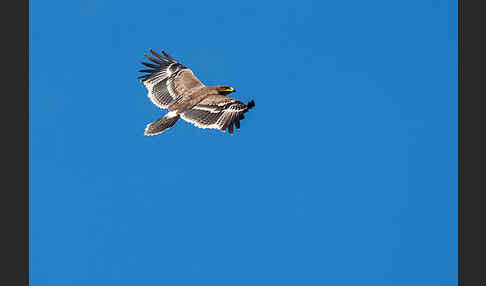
(345, 172)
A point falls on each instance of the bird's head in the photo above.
(224, 89)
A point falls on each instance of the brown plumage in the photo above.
(175, 87)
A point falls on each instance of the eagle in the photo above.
(173, 86)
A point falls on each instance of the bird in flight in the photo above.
(174, 87)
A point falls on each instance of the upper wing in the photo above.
(218, 112)
(167, 80)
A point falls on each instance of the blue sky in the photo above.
(345, 172)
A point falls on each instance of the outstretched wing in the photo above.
(218, 112)
(167, 79)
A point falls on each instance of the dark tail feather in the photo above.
(250, 104)
(161, 125)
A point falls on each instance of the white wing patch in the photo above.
(211, 109)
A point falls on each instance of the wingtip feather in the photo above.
(158, 55)
(168, 56)
(152, 58)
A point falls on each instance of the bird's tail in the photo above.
(162, 124)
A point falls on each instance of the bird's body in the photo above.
(191, 99)
(174, 87)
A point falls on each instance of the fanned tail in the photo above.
(162, 124)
